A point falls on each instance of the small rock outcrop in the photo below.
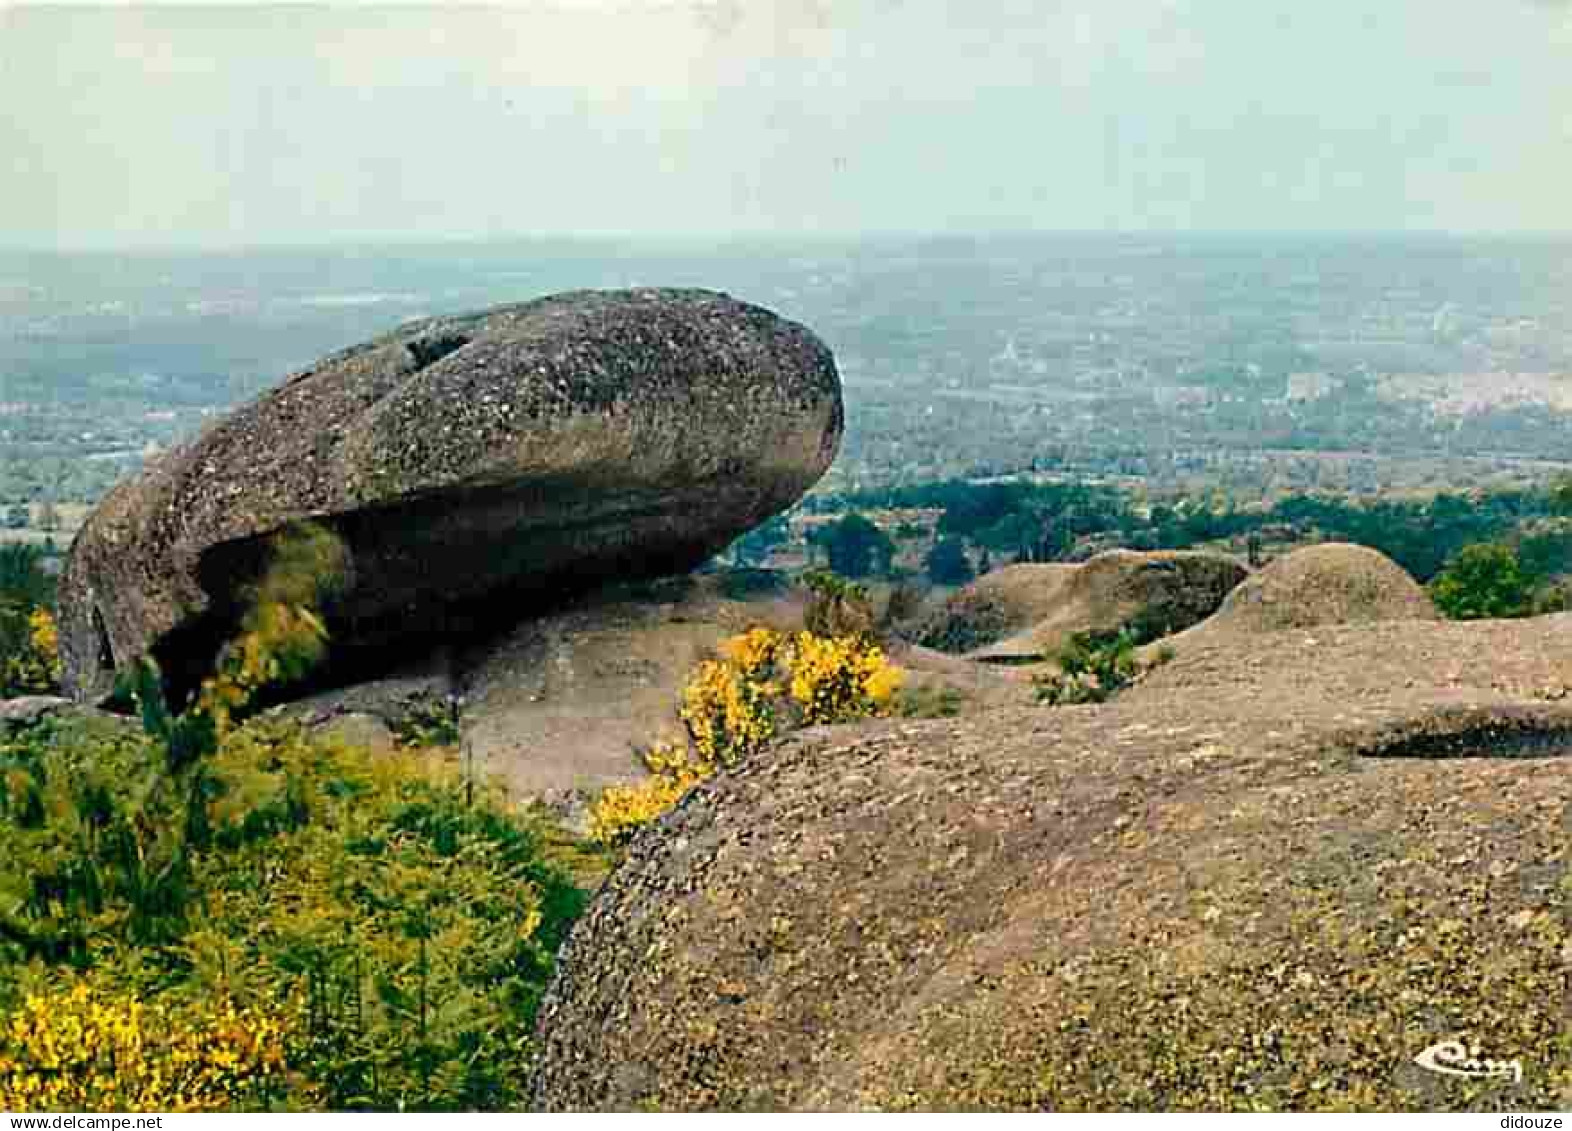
(18, 715)
(1266, 879)
(998, 604)
(1156, 593)
(474, 466)
(1331, 583)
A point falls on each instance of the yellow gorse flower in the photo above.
(753, 651)
(839, 678)
(763, 683)
(44, 636)
(80, 1049)
(728, 712)
(622, 810)
(34, 667)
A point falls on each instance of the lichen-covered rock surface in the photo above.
(1269, 876)
(473, 465)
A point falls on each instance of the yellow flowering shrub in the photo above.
(838, 678)
(44, 636)
(754, 651)
(622, 810)
(728, 711)
(258, 657)
(30, 664)
(82, 1049)
(764, 684)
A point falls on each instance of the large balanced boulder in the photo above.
(1273, 879)
(473, 466)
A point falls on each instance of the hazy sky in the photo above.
(243, 124)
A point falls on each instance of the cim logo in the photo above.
(1454, 1058)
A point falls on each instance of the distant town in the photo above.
(1252, 366)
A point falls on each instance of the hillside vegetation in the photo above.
(208, 913)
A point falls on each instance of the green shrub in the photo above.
(947, 563)
(29, 650)
(1483, 580)
(29, 641)
(854, 546)
(414, 914)
(1554, 596)
(1093, 666)
(836, 607)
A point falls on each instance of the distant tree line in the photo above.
(1482, 553)
(1062, 521)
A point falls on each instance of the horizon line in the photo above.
(742, 237)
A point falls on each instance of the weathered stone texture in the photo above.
(472, 464)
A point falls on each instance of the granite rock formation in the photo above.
(1024, 612)
(1269, 876)
(476, 467)
(1313, 586)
